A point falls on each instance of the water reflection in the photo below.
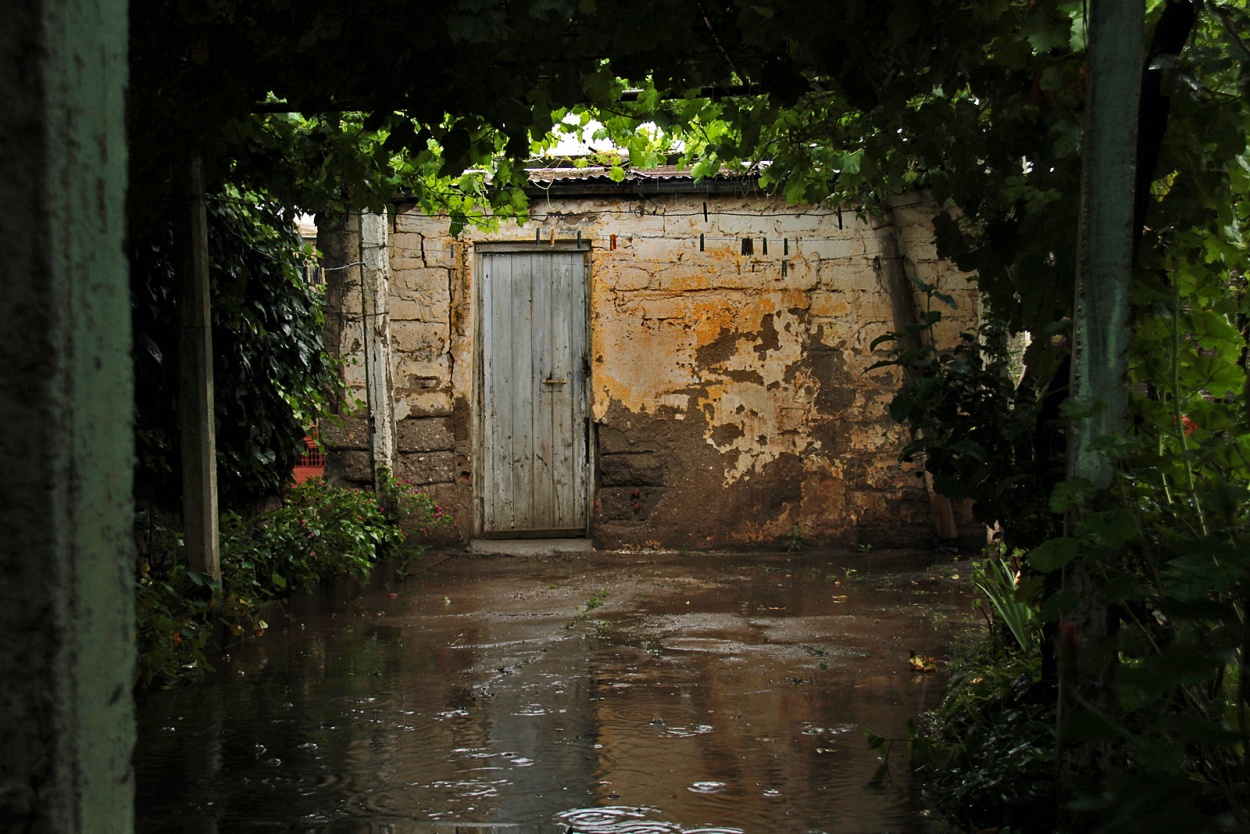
(704, 695)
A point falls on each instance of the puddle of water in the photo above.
(706, 694)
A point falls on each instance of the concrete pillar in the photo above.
(66, 402)
(375, 276)
(357, 330)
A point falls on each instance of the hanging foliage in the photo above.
(272, 375)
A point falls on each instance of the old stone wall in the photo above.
(730, 392)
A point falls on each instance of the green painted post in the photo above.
(66, 407)
(1108, 175)
(1099, 358)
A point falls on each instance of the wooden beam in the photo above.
(195, 379)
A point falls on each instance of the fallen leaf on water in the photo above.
(921, 663)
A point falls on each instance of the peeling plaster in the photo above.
(746, 387)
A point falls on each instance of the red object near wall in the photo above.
(311, 464)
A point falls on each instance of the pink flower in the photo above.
(1187, 424)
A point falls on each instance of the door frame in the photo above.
(479, 445)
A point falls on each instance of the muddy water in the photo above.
(628, 694)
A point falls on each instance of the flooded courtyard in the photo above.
(634, 694)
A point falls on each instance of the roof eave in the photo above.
(641, 189)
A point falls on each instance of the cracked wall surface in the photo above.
(730, 396)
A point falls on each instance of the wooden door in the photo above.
(533, 406)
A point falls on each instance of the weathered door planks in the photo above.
(533, 404)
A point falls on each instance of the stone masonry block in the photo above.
(427, 403)
(421, 340)
(830, 304)
(628, 504)
(417, 221)
(627, 278)
(427, 467)
(615, 441)
(632, 470)
(429, 434)
(409, 250)
(428, 307)
(835, 249)
(409, 373)
(352, 434)
(919, 248)
(352, 467)
(420, 279)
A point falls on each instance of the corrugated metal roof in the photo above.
(596, 179)
(602, 172)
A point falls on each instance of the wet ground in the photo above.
(632, 694)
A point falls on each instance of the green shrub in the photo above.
(319, 532)
(419, 518)
(986, 756)
(999, 578)
(172, 625)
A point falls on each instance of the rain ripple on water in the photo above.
(621, 819)
(641, 711)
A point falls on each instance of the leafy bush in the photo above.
(172, 625)
(980, 434)
(1146, 585)
(415, 512)
(986, 754)
(319, 532)
(272, 374)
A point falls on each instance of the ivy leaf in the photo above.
(1045, 35)
(1070, 494)
(1052, 555)
(1113, 528)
